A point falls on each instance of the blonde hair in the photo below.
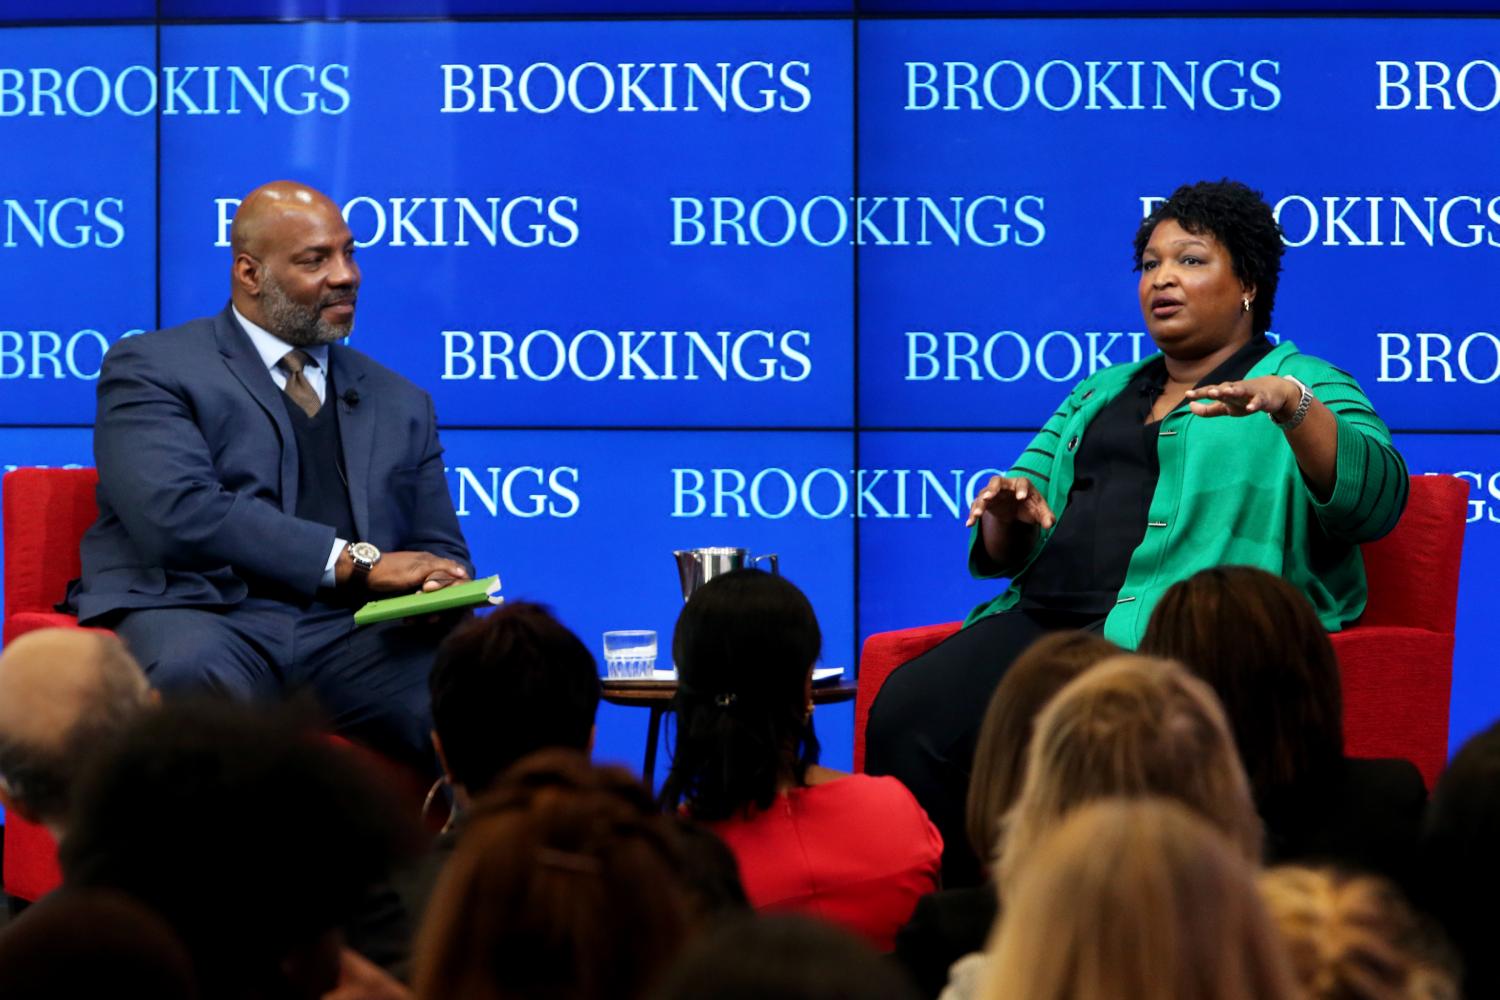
(1136, 900)
(1132, 727)
(1042, 670)
(1352, 937)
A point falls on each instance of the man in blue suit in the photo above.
(258, 481)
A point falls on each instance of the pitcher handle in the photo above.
(775, 562)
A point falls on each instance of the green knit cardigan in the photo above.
(1230, 492)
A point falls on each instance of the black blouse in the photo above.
(1083, 564)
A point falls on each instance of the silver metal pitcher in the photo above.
(695, 567)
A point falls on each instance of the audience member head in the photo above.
(564, 883)
(506, 685)
(1037, 674)
(1352, 937)
(251, 835)
(1460, 864)
(745, 645)
(709, 871)
(63, 692)
(93, 943)
(1136, 900)
(1131, 727)
(1258, 643)
(784, 956)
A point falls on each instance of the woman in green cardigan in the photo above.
(1224, 448)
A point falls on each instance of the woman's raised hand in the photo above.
(1010, 499)
(1267, 394)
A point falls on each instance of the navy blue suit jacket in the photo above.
(198, 472)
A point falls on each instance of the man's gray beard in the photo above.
(298, 325)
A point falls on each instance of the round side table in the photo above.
(656, 696)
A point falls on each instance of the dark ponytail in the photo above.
(743, 645)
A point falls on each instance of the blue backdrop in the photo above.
(799, 282)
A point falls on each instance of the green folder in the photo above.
(458, 595)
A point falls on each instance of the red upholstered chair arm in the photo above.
(46, 512)
(31, 869)
(43, 513)
(29, 621)
(1396, 685)
(1412, 573)
(883, 653)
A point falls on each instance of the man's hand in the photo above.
(1268, 394)
(1011, 499)
(403, 572)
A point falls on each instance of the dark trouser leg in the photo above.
(194, 651)
(925, 722)
(372, 681)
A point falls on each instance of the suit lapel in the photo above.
(245, 364)
(356, 430)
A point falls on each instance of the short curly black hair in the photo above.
(1239, 218)
(509, 684)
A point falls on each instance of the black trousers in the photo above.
(925, 721)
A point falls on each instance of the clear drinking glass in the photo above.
(630, 654)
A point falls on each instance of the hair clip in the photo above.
(725, 700)
(568, 861)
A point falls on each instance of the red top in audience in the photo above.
(857, 851)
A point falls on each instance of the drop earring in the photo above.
(441, 789)
(1246, 303)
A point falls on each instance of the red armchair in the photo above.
(45, 513)
(1396, 663)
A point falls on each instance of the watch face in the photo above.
(364, 553)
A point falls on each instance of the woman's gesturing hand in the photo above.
(1011, 498)
(1268, 394)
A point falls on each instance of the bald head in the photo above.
(61, 692)
(269, 210)
(293, 271)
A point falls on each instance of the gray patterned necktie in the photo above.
(297, 386)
